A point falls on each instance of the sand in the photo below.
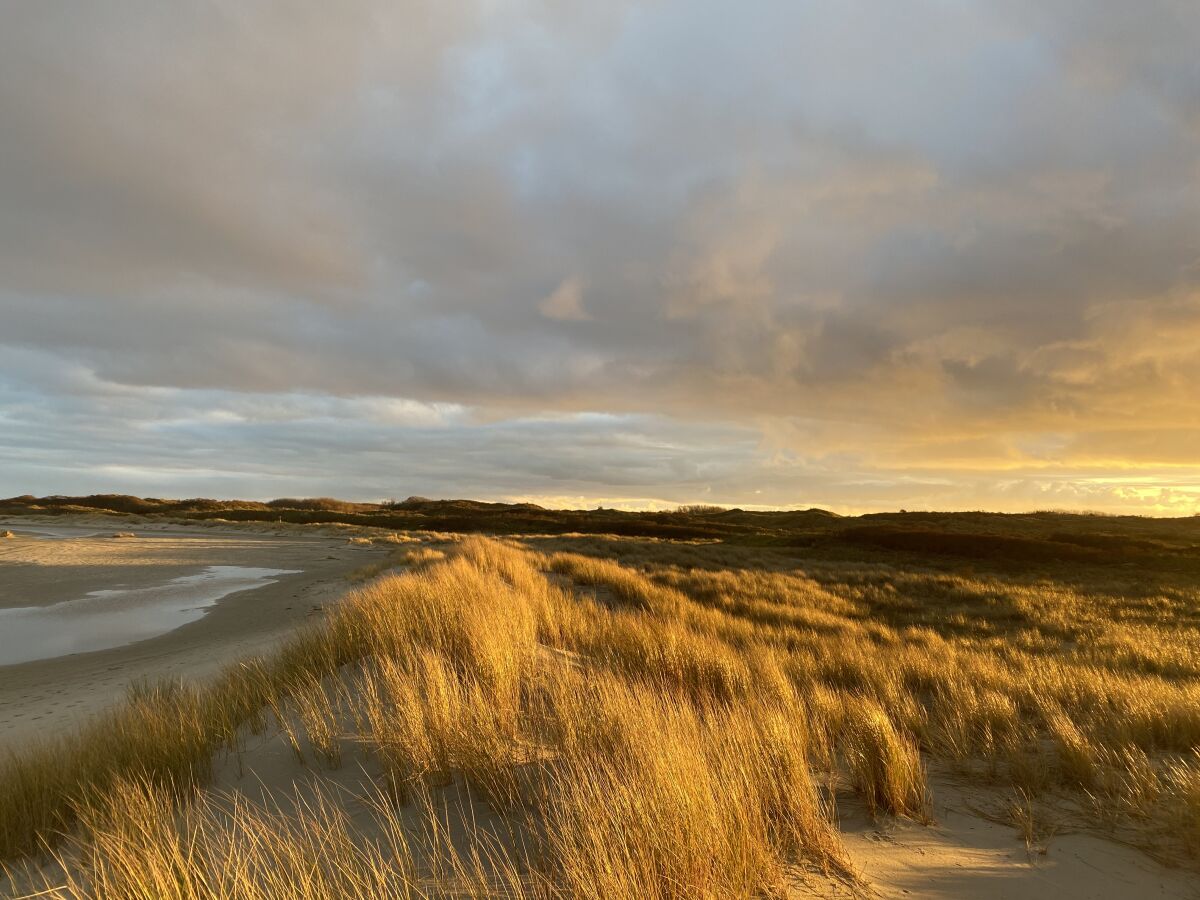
(58, 562)
(961, 855)
(964, 855)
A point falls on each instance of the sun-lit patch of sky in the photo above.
(859, 255)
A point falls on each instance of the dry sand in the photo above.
(963, 855)
(53, 562)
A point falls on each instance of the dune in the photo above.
(603, 718)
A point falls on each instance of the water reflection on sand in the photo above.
(113, 618)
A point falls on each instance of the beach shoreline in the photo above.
(65, 561)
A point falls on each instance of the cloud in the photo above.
(957, 240)
(566, 302)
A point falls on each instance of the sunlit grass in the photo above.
(648, 727)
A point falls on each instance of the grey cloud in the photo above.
(909, 225)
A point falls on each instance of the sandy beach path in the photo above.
(46, 564)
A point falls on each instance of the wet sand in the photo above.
(52, 568)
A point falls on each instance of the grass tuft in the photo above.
(646, 720)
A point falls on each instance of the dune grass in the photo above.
(670, 732)
(1086, 688)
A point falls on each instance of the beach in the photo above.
(194, 599)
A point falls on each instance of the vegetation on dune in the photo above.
(650, 719)
(1061, 547)
(992, 537)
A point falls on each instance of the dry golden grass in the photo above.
(665, 732)
(135, 845)
(1082, 688)
(397, 559)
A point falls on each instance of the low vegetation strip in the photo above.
(647, 728)
(1034, 538)
(1089, 549)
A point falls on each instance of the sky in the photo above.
(859, 255)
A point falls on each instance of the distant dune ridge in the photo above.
(1038, 536)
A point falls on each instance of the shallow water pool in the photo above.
(112, 618)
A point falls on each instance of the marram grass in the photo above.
(673, 733)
